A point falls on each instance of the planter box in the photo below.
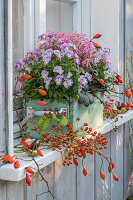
(93, 114)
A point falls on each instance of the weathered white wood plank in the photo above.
(29, 20)
(77, 19)
(16, 128)
(102, 187)
(15, 117)
(9, 75)
(85, 184)
(52, 15)
(15, 190)
(65, 181)
(20, 29)
(2, 80)
(105, 20)
(86, 17)
(40, 18)
(3, 185)
(66, 16)
(117, 157)
(128, 157)
(18, 36)
(37, 187)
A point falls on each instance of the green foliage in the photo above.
(43, 123)
(63, 122)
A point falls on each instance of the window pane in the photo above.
(59, 16)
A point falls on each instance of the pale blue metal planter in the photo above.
(93, 114)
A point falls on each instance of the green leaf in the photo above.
(64, 122)
(43, 123)
(54, 118)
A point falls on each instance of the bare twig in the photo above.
(38, 169)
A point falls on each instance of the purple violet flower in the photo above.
(69, 75)
(80, 89)
(59, 42)
(49, 52)
(44, 74)
(106, 74)
(82, 80)
(58, 79)
(97, 59)
(46, 59)
(19, 65)
(57, 53)
(58, 69)
(69, 54)
(68, 83)
(88, 76)
(65, 47)
(47, 81)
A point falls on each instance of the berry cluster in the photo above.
(73, 145)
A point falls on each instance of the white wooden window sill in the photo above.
(8, 172)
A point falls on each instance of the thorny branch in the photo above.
(38, 169)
